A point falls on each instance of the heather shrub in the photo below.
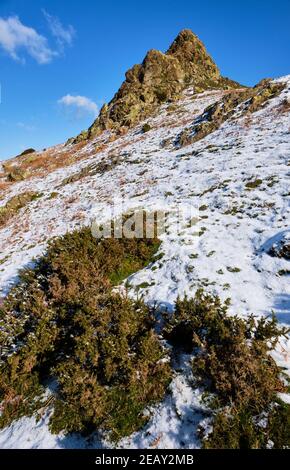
(63, 322)
(233, 365)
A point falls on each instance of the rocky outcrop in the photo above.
(243, 101)
(14, 204)
(160, 78)
(281, 249)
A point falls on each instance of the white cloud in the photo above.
(26, 127)
(63, 35)
(80, 105)
(15, 36)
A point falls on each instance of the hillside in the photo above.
(221, 152)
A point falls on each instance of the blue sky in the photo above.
(60, 61)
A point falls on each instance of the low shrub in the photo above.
(241, 430)
(63, 322)
(232, 363)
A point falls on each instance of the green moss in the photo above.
(233, 269)
(3, 260)
(211, 253)
(254, 183)
(53, 195)
(37, 196)
(144, 285)
(146, 128)
(158, 256)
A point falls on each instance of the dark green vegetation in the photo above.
(146, 127)
(232, 363)
(254, 184)
(63, 322)
(13, 205)
(27, 152)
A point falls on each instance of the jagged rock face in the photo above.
(160, 77)
(196, 63)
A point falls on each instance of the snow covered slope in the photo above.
(236, 177)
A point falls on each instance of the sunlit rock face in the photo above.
(160, 78)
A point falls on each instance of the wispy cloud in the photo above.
(63, 35)
(78, 105)
(26, 127)
(16, 37)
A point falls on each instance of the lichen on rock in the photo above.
(161, 77)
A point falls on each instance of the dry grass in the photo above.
(284, 107)
(248, 121)
(41, 164)
(79, 215)
(4, 185)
